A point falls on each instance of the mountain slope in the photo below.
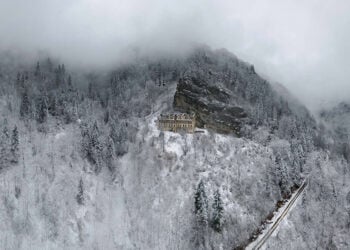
(94, 172)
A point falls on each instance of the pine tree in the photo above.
(282, 175)
(91, 145)
(96, 148)
(5, 131)
(37, 70)
(52, 105)
(70, 86)
(98, 157)
(119, 135)
(80, 195)
(58, 76)
(25, 109)
(110, 155)
(4, 148)
(42, 110)
(218, 210)
(201, 215)
(14, 146)
(201, 203)
(91, 91)
(49, 65)
(85, 141)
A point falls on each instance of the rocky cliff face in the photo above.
(211, 104)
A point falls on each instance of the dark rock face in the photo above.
(211, 104)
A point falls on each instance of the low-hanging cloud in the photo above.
(303, 44)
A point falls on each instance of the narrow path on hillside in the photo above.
(259, 242)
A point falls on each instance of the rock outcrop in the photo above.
(212, 105)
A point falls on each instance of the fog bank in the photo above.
(303, 44)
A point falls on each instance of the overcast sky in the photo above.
(304, 44)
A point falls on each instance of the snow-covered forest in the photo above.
(84, 166)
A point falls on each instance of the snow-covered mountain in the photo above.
(88, 168)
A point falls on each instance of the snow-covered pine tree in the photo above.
(14, 146)
(94, 148)
(70, 86)
(110, 152)
(85, 139)
(4, 148)
(42, 110)
(63, 70)
(94, 134)
(5, 131)
(37, 71)
(119, 135)
(201, 214)
(80, 195)
(218, 210)
(25, 107)
(52, 104)
(201, 203)
(58, 76)
(49, 65)
(282, 175)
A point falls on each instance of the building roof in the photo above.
(176, 116)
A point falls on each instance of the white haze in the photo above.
(303, 44)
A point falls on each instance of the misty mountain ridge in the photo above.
(107, 178)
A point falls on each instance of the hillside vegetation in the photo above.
(83, 165)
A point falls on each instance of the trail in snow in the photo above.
(275, 222)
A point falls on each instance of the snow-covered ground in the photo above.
(148, 206)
